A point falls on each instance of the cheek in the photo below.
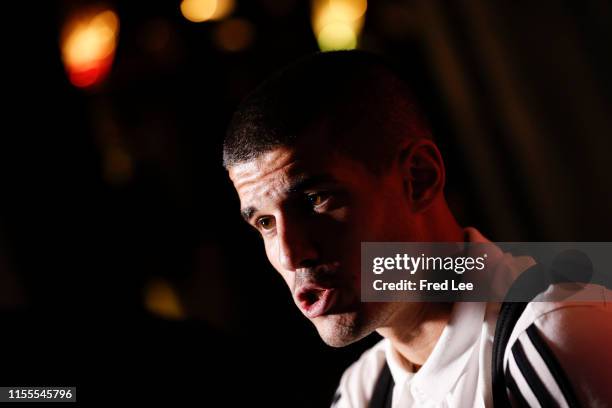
(384, 217)
(366, 221)
(272, 254)
(289, 279)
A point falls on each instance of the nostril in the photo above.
(308, 263)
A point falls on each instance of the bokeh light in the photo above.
(118, 164)
(162, 300)
(198, 11)
(337, 36)
(338, 23)
(88, 43)
(235, 34)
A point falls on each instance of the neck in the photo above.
(438, 224)
(415, 330)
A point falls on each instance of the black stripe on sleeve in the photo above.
(531, 376)
(514, 390)
(553, 365)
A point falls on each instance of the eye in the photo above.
(316, 199)
(265, 223)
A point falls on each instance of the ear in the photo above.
(422, 172)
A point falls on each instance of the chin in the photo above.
(340, 330)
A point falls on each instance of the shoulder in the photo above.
(357, 382)
(559, 352)
(558, 319)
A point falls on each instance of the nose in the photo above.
(296, 249)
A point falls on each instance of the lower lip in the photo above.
(322, 305)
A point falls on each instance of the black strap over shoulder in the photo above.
(383, 390)
(533, 281)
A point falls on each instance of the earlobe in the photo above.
(422, 172)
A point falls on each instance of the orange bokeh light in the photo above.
(88, 45)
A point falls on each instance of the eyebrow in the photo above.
(299, 184)
(247, 213)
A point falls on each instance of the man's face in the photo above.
(313, 208)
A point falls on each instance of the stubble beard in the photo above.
(340, 330)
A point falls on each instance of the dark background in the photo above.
(125, 268)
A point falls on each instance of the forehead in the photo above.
(278, 168)
(263, 177)
(272, 174)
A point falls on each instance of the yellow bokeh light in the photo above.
(337, 36)
(90, 39)
(350, 9)
(224, 9)
(198, 11)
(338, 23)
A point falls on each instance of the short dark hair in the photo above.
(367, 107)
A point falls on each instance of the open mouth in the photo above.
(315, 301)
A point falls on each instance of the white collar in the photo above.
(449, 357)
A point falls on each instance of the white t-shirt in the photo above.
(458, 371)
